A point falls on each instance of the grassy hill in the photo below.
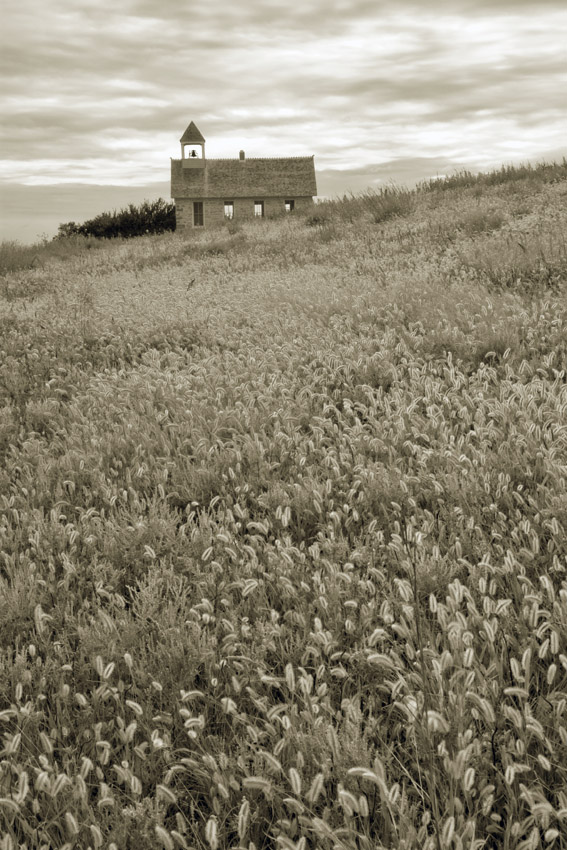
(283, 529)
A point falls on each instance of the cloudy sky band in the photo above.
(97, 93)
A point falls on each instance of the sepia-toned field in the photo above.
(283, 530)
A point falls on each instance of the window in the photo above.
(289, 206)
(198, 214)
(229, 209)
(259, 208)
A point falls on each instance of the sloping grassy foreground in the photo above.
(283, 532)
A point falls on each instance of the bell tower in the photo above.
(192, 147)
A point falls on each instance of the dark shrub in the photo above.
(150, 217)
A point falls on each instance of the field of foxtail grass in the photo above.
(283, 530)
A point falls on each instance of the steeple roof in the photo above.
(192, 134)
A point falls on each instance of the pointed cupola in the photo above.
(192, 147)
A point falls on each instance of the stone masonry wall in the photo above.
(213, 210)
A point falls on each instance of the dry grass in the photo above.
(283, 532)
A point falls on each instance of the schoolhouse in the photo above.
(207, 192)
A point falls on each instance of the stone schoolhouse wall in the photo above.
(242, 182)
(213, 209)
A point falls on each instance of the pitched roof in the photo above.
(192, 134)
(237, 178)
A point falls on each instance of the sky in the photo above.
(95, 94)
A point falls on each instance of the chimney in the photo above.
(242, 156)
